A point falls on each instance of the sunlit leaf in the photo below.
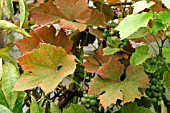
(141, 5)
(2, 97)
(166, 82)
(54, 108)
(4, 109)
(140, 55)
(9, 78)
(75, 108)
(133, 108)
(110, 51)
(132, 24)
(166, 51)
(114, 89)
(10, 6)
(1, 69)
(164, 17)
(34, 107)
(48, 66)
(5, 25)
(166, 3)
(156, 27)
(141, 32)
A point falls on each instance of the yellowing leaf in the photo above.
(34, 107)
(110, 83)
(45, 67)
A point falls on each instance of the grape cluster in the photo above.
(124, 43)
(108, 33)
(155, 89)
(90, 102)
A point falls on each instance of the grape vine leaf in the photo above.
(141, 5)
(132, 24)
(140, 55)
(141, 32)
(47, 35)
(1, 70)
(4, 109)
(164, 17)
(166, 51)
(112, 1)
(75, 108)
(96, 19)
(156, 27)
(45, 13)
(166, 3)
(45, 67)
(166, 81)
(2, 97)
(96, 32)
(93, 63)
(111, 51)
(54, 108)
(107, 10)
(5, 25)
(134, 108)
(34, 107)
(9, 78)
(109, 82)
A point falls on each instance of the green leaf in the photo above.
(164, 17)
(141, 5)
(166, 82)
(166, 51)
(132, 24)
(34, 107)
(2, 97)
(75, 108)
(114, 89)
(140, 55)
(141, 32)
(19, 104)
(113, 42)
(166, 3)
(9, 78)
(54, 108)
(168, 33)
(110, 51)
(48, 66)
(23, 11)
(10, 6)
(5, 9)
(4, 109)
(156, 27)
(1, 69)
(133, 108)
(5, 25)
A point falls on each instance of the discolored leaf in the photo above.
(72, 25)
(110, 51)
(5, 25)
(48, 66)
(141, 5)
(9, 78)
(75, 108)
(96, 32)
(4, 109)
(166, 82)
(45, 13)
(47, 35)
(166, 51)
(112, 1)
(140, 55)
(96, 19)
(93, 63)
(133, 108)
(107, 10)
(34, 107)
(141, 32)
(132, 24)
(114, 89)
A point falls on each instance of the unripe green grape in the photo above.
(92, 97)
(160, 88)
(158, 77)
(153, 87)
(149, 94)
(155, 94)
(125, 44)
(104, 35)
(111, 33)
(93, 102)
(157, 86)
(86, 96)
(159, 98)
(154, 100)
(121, 46)
(87, 105)
(88, 100)
(105, 30)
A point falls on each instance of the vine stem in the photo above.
(150, 45)
(160, 48)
